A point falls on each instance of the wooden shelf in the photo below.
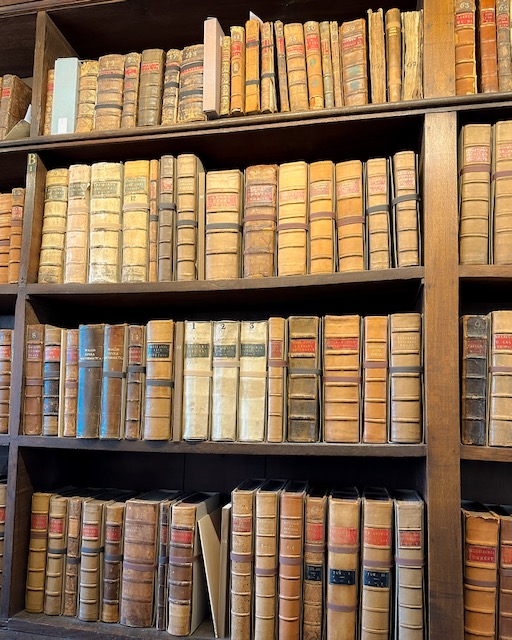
(485, 273)
(487, 454)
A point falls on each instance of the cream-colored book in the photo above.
(77, 224)
(197, 380)
(189, 176)
(292, 218)
(226, 365)
(322, 229)
(377, 55)
(378, 214)
(135, 256)
(350, 215)
(252, 399)
(51, 258)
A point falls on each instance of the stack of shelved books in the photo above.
(303, 379)
(12, 205)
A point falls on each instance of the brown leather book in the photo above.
(296, 66)
(70, 399)
(5, 379)
(377, 55)
(190, 179)
(393, 26)
(171, 86)
(47, 128)
(252, 396)
(268, 70)
(252, 67)
(322, 217)
(465, 47)
(277, 378)
(315, 513)
(113, 391)
(91, 560)
(135, 216)
(412, 55)
(487, 46)
(151, 87)
(161, 589)
(314, 65)
(473, 394)
(72, 558)
(500, 351)
(197, 380)
(353, 62)
(350, 215)
(18, 205)
(112, 561)
(327, 72)
(336, 63)
(502, 179)
(282, 73)
(375, 379)
(167, 197)
(405, 203)
(51, 379)
(226, 369)
(51, 257)
(5, 235)
(292, 218)
(378, 214)
(109, 99)
(503, 45)
(303, 378)
(237, 107)
(159, 380)
(76, 260)
(87, 89)
(56, 555)
(225, 76)
(135, 382)
(154, 178)
(33, 390)
(16, 97)
(90, 364)
(190, 102)
(38, 544)
(130, 90)
(504, 609)
(341, 378)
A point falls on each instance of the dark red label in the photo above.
(377, 537)
(475, 346)
(410, 538)
(476, 553)
(6, 93)
(313, 43)
(57, 526)
(90, 531)
(166, 184)
(303, 345)
(352, 42)
(465, 19)
(222, 200)
(135, 354)
(164, 533)
(314, 532)
(39, 522)
(182, 536)
(35, 352)
(487, 17)
(503, 21)
(5, 352)
(503, 341)
(276, 349)
(343, 535)
(2, 514)
(52, 354)
(338, 344)
(148, 67)
(241, 524)
(113, 533)
(506, 555)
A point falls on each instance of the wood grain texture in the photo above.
(438, 49)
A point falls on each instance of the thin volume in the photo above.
(70, 398)
(87, 90)
(375, 379)
(488, 46)
(322, 217)
(268, 71)
(154, 211)
(5, 235)
(327, 71)
(51, 377)
(282, 73)
(237, 107)
(336, 63)
(197, 380)
(378, 214)
(38, 544)
(135, 226)
(377, 55)
(135, 382)
(296, 66)
(171, 86)
(18, 206)
(253, 381)
(503, 45)
(113, 558)
(109, 100)
(5, 378)
(474, 353)
(151, 87)
(47, 127)
(130, 90)
(51, 257)
(190, 101)
(353, 62)
(56, 555)
(226, 365)
(33, 388)
(73, 543)
(292, 219)
(90, 362)
(277, 378)
(167, 185)
(314, 65)
(501, 188)
(252, 67)
(393, 27)
(189, 175)
(350, 218)
(412, 55)
(225, 76)
(406, 199)
(113, 390)
(499, 379)
(91, 561)
(465, 47)
(159, 380)
(77, 224)
(505, 578)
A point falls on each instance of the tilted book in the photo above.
(377, 55)
(296, 66)
(38, 544)
(167, 184)
(51, 257)
(473, 394)
(18, 206)
(488, 53)
(354, 62)
(76, 260)
(393, 26)
(190, 101)
(135, 382)
(33, 388)
(315, 513)
(226, 367)
(412, 55)
(197, 380)
(109, 99)
(314, 65)
(277, 378)
(51, 379)
(237, 107)
(350, 215)
(500, 378)
(378, 217)
(151, 87)
(135, 216)
(90, 364)
(292, 217)
(465, 47)
(130, 90)
(87, 90)
(375, 379)
(113, 391)
(252, 67)
(501, 189)
(322, 217)
(405, 203)
(190, 180)
(56, 555)
(252, 398)
(14, 102)
(170, 95)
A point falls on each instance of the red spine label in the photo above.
(377, 537)
(276, 349)
(475, 346)
(503, 21)
(131, 71)
(166, 184)
(487, 17)
(241, 524)
(39, 522)
(349, 188)
(503, 341)
(236, 48)
(164, 534)
(477, 154)
(90, 531)
(5, 352)
(302, 345)
(295, 50)
(182, 536)
(406, 179)
(52, 354)
(149, 67)
(57, 526)
(351, 42)
(465, 19)
(475, 553)
(410, 539)
(292, 195)
(377, 185)
(2, 515)
(259, 193)
(505, 150)
(312, 43)
(135, 355)
(343, 536)
(322, 188)
(72, 355)
(6, 93)
(506, 554)
(222, 200)
(314, 532)
(337, 344)
(113, 533)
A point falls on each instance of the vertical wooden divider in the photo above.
(33, 219)
(438, 49)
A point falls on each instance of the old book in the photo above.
(113, 390)
(268, 71)
(224, 572)
(61, 383)
(303, 378)
(481, 539)
(465, 47)
(212, 39)
(189, 179)
(277, 379)
(5, 235)
(190, 101)
(343, 536)
(90, 363)
(314, 65)
(405, 377)
(226, 366)
(350, 218)
(375, 379)
(131, 81)
(51, 257)
(151, 87)
(70, 396)
(336, 63)
(112, 561)
(76, 259)
(91, 560)
(475, 191)
(72, 558)
(135, 382)
(412, 55)
(259, 222)
(87, 89)
(393, 26)
(225, 76)
(38, 544)
(474, 347)
(322, 217)
(135, 216)
(56, 555)
(237, 106)
(488, 56)
(51, 378)
(503, 45)
(252, 398)
(65, 95)
(252, 67)
(161, 590)
(171, 89)
(18, 206)
(504, 512)
(154, 213)
(292, 218)
(405, 203)
(166, 218)
(377, 56)
(282, 73)
(109, 99)
(315, 513)
(326, 64)
(342, 378)
(197, 380)
(378, 214)
(3, 505)
(501, 192)
(105, 222)
(223, 242)
(15, 100)
(499, 379)
(47, 127)
(296, 66)
(5, 379)
(33, 388)
(353, 62)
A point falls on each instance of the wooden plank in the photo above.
(32, 219)
(438, 49)
(488, 454)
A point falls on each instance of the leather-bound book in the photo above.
(179, 361)
(499, 379)
(226, 366)
(342, 378)
(376, 563)
(109, 99)
(60, 384)
(56, 555)
(375, 379)
(151, 87)
(336, 63)
(503, 45)
(277, 379)
(480, 531)
(105, 222)
(131, 81)
(350, 215)
(18, 205)
(282, 72)
(91, 560)
(409, 562)
(405, 203)
(51, 257)
(112, 561)
(268, 70)
(16, 97)
(113, 391)
(353, 62)
(90, 364)
(5, 379)
(501, 166)
(291, 558)
(170, 95)
(303, 378)
(5, 235)
(197, 380)
(87, 89)
(252, 397)
(72, 557)
(252, 67)
(473, 394)
(33, 390)
(377, 55)
(296, 66)
(314, 65)
(77, 224)
(190, 101)
(393, 27)
(322, 217)
(465, 47)
(135, 234)
(327, 73)
(162, 569)
(225, 76)
(38, 544)
(314, 563)
(405, 377)
(292, 218)
(51, 379)
(412, 55)
(154, 179)
(237, 107)
(378, 214)
(260, 218)
(475, 192)
(343, 536)
(3, 504)
(135, 382)
(70, 398)
(488, 54)
(504, 608)
(189, 210)
(47, 128)
(166, 218)
(159, 380)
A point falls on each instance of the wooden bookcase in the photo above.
(32, 35)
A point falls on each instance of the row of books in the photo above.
(305, 379)
(485, 185)
(12, 205)
(168, 219)
(15, 100)
(5, 378)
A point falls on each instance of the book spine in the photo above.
(225, 76)
(474, 349)
(268, 72)
(90, 363)
(171, 87)
(113, 391)
(159, 380)
(336, 64)
(350, 218)
(5, 379)
(252, 67)
(406, 209)
(499, 379)
(151, 87)
(277, 378)
(314, 567)
(70, 398)
(296, 66)
(47, 128)
(135, 216)
(393, 28)
(412, 55)
(292, 218)
(18, 206)
(327, 72)
(314, 65)
(375, 379)
(166, 217)
(38, 544)
(354, 62)
(503, 45)
(109, 100)
(253, 381)
(91, 561)
(135, 382)
(500, 186)
(77, 224)
(378, 214)
(322, 217)
(226, 365)
(73, 542)
(113, 560)
(5, 235)
(56, 555)
(282, 72)
(465, 47)
(162, 566)
(187, 216)
(488, 46)
(505, 578)
(130, 90)
(33, 391)
(16, 97)
(51, 257)
(190, 103)
(377, 56)
(197, 380)
(237, 107)
(154, 179)
(51, 378)
(87, 89)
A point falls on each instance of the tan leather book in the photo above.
(190, 101)
(277, 378)
(322, 217)
(342, 378)
(465, 47)
(109, 97)
(135, 233)
(501, 189)
(225, 76)
(252, 67)
(315, 514)
(375, 379)
(326, 59)
(70, 397)
(170, 95)
(354, 62)
(90, 378)
(282, 72)
(412, 55)
(377, 56)
(268, 71)
(87, 89)
(197, 380)
(292, 218)
(3, 504)
(474, 367)
(154, 179)
(131, 81)
(336, 63)
(135, 382)
(393, 27)
(105, 222)
(33, 389)
(343, 536)
(291, 558)
(91, 560)
(167, 196)
(189, 176)
(296, 66)
(5, 380)
(252, 396)
(314, 65)
(47, 127)
(51, 257)
(112, 561)
(18, 206)
(503, 45)
(405, 377)
(499, 378)
(76, 259)
(5, 235)
(376, 561)
(488, 55)
(56, 555)
(260, 218)
(505, 544)
(51, 378)
(151, 87)
(350, 218)
(405, 203)
(72, 557)
(378, 214)
(38, 544)
(113, 390)
(226, 368)
(238, 64)
(303, 378)
(61, 382)
(16, 97)
(481, 529)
